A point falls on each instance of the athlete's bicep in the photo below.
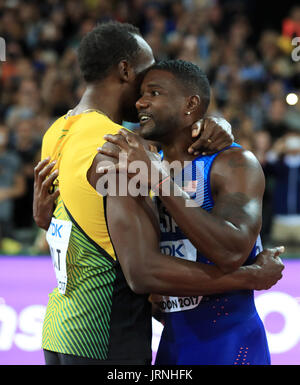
(134, 233)
(238, 184)
(132, 222)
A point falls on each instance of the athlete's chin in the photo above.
(148, 131)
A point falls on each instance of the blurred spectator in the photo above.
(292, 117)
(12, 184)
(275, 120)
(291, 25)
(283, 163)
(27, 146)
(262, 144)
(26, 103)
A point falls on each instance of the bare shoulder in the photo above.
(237, 158)
(237, 168)
(93, 173)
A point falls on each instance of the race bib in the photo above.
(184, 249)
(174, 304)
(58, 236)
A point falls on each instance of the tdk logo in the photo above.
(2, 49)
(55, 230)
(173, 250)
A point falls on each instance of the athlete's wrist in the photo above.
(247, 277)
(159, 177)
(159, 187)
(254, 277)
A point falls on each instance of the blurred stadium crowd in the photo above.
(249, 64)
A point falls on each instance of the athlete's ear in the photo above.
(126, 71)
(192, 104)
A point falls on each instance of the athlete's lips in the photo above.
(144, 117)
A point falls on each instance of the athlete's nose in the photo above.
(141, 103)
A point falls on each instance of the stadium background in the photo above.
(245, 47)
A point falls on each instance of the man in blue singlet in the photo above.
(216, 221)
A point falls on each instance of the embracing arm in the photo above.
(227, 234)
(135, 238)
(211, 134)
(134, 233)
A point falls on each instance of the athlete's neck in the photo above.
(176, 147)
(102, 98)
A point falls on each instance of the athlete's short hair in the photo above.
(191, 77)
(104, 47)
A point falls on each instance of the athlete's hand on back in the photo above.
(43, 198)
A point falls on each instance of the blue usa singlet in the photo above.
(221, 329)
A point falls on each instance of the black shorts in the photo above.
(54, 358)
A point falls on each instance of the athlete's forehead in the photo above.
(159, 78)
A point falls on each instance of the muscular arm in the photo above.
(135, 240)
(135, 236)
(227, 234)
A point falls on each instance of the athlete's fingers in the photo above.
(215, 135)
(131, 138)
(119, 140)
(274, 252)
(204, 140)
(106, 169)
(198, 146)
(49, 181)
(267, 255)
(219, 144)
(215, 145)
(208, 129)
(45, 172)
(196, 128)
(41, 165)
(220, 133)
(116, 168)
(153, 148)
(55, 195)
(278, 251)
(211, 133)
(114, 153)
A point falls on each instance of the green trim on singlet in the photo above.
(78, 322)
